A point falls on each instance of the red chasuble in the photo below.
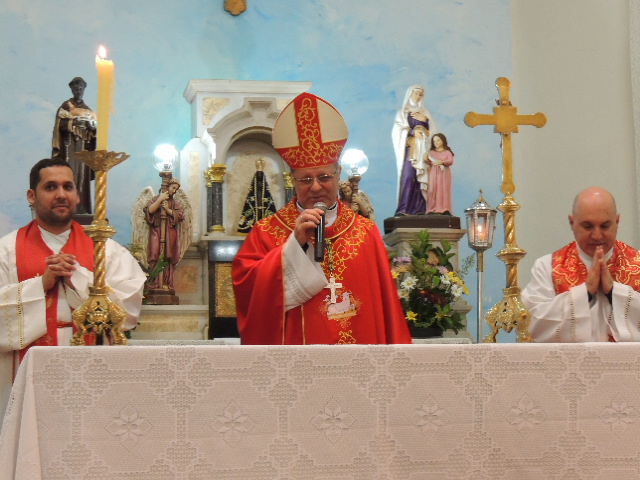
(569, 270)
(367, 310)
(31, 254)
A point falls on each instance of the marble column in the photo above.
(288, 187)
(214, 176)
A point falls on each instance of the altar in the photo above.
(510, 411)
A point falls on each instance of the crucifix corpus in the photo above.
(510, 312)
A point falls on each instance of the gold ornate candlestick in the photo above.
(99, 314)
(510, 312)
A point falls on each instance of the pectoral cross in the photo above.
(333, 286)
(505, 118)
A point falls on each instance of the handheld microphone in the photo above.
(318, 251)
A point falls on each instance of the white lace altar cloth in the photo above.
(505, 411)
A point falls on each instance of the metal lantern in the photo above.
(481, 225)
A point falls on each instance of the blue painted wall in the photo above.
(361, 56)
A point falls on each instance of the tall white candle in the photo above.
(106, 83)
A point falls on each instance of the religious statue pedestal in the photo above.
(189, 320)
(161, 296)
(400, 231)
(420, 222)
(222, 304)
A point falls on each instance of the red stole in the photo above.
(568, 270)
(31, 252)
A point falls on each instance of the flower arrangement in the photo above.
(428, 286)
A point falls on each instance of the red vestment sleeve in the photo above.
(259, 290)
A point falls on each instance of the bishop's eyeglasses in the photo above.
(323, 180)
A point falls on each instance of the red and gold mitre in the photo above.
(309, 132)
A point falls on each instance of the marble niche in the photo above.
(231, 123)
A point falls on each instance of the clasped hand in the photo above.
(60, 266)
(598, 277)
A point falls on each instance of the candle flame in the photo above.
(102, 52)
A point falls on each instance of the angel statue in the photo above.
(162, 230)
(356, 199)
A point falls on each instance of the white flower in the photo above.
(409, 282)
(456, 290)
(445, 280)
(403, 293)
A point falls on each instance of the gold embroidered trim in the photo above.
(7, 320)
(19, 313)
(569, 271)
(572, 328)
(346, 338)
(627, 306)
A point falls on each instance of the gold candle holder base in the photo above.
(98, 314)
(510, 312)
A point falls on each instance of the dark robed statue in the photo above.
(75, 131)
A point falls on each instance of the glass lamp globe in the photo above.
(355, 162)
(481, 224)
(164, 157)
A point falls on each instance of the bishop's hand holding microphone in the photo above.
(318, 250)
(310, 223)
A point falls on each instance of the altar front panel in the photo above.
(356, 412)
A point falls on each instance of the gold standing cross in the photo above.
(510, 312)
(505, 118)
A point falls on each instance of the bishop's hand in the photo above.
(305, 226)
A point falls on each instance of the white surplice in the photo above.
(570, 317)
(22, 304)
